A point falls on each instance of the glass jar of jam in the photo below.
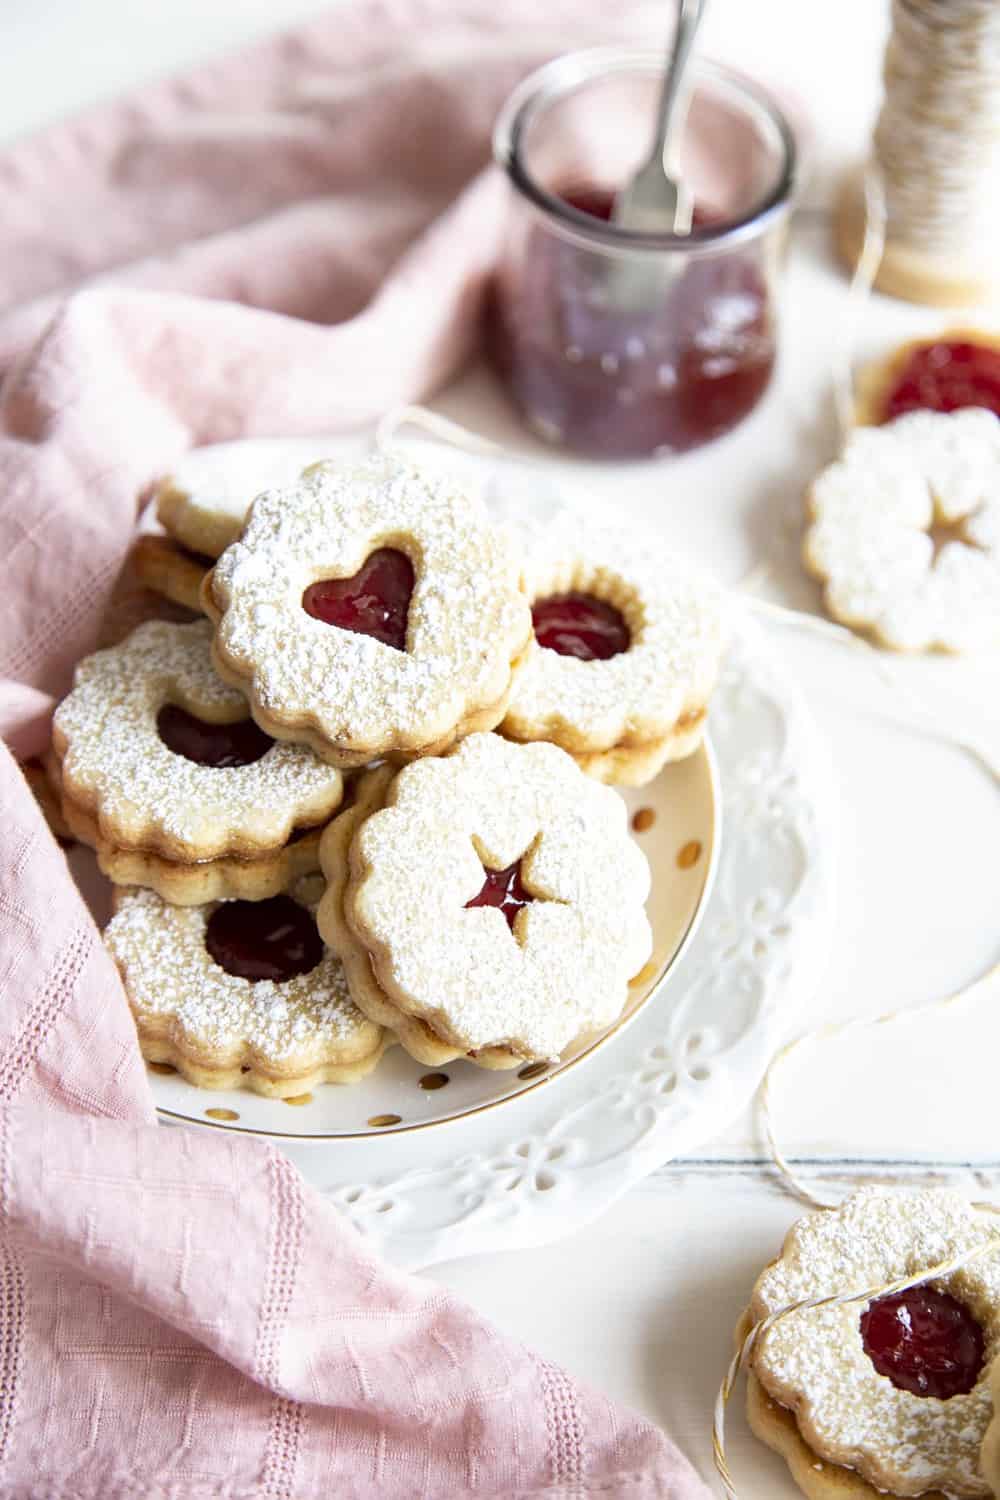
(623, 344)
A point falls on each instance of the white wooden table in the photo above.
(643, 1303)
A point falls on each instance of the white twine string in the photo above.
(841, 635)
(441, 427)
(765, 1098)
(858, 294)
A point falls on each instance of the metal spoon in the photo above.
(656, 201)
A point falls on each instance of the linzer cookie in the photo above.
(203, 504)
(486, 904)
(989, 1456)
(955, 369)
(625, 655)
(241, 994)
(158, 756)
(904, 532)
(368, 612)
(890, 1397)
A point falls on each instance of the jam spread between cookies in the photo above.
(375, 601)
(579, 625)
(274, 939)
(219, 745)
(924, 1341)
(946, 376)
(504, 889)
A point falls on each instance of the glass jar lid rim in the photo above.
(561, 76)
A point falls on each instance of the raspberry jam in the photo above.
(376, 601)
(946, 376)
(503, 888)
(275, 939)
(218, 745)
(616, 382)
(580, 625)
(924, 1341)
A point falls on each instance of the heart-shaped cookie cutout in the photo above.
(375, 601)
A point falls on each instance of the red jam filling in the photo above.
(376, 601)
(274, 939)
(219, 745)
(615, 382)
(503, 888)
(946, 377)
(924, 1341)
(580, 625)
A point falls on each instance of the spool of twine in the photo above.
(936, 154)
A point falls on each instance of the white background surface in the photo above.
(643, 1303)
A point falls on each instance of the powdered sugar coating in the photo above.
(674, 618)
(872, 512)
(814, 1361)
(990, 1454)
(564, 970)
(169, 975)
(204, 502)
(468, 619)
(146, 796)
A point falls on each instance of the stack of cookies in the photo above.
(361, 801)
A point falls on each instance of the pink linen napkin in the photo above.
(287, 241)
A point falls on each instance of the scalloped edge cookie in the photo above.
(116, 769)
(204, 502)
(624, 717)
(415, 1035)
(777, 1428)
(870, 1227)
(577, 815)
(872, 517)
(989, 1454)
(351, 698)
(164, 1037)
(225, 879)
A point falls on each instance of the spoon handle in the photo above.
(689, 14)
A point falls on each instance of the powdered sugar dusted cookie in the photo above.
(241, 994)
(163, 757)
(905, 531)
(370, 611)
(626, 651)
(496, 901)
(204, 502)
(896, 1391)
(989, 1457)
(955, 369)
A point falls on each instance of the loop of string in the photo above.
(437, 426)
(862, 281)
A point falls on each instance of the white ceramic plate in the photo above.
(681, 842)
